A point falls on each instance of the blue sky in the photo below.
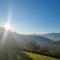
(31, 16)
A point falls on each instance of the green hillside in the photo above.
(39, 57)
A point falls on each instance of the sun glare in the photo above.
(7, 26)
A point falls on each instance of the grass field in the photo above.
(40, 57)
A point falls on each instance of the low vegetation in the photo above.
(39, 57)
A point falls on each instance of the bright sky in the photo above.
(31, 16)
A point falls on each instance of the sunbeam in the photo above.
(7, 27)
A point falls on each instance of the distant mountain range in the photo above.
(42, 41)
(52, 36)
(13, 39)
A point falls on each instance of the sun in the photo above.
(7, 26)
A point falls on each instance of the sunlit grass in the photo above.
(40, 57)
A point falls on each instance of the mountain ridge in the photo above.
(52, 36)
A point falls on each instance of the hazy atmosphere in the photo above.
(29, 29)
(31, 16)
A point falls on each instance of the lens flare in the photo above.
(7, 26)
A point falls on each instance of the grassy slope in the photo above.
(40, 57)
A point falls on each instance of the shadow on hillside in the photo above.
(13, 55)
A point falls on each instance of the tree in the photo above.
(45, 49)
(33, 46)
